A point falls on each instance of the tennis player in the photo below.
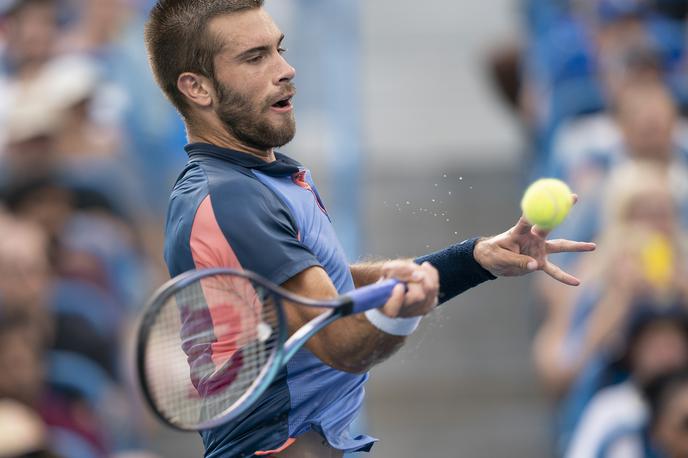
(239, 203)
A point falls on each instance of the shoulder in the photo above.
(233, 183)
(238, 200)
(225, 183)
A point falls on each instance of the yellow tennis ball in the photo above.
(546, 202)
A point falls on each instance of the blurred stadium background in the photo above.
(422, 122)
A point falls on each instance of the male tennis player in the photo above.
(239, 203)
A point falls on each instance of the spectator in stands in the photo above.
(25, 275)
(578, 55)
(647, 120)
(641, 255)
(612, 424)
(21, 359)
(649, 131)
(640, 210)
(149, 131)
(30, 28)
(668, 429)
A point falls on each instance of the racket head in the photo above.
(209, 343)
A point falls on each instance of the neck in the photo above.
(224, 139)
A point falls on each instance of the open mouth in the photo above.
(283, 103)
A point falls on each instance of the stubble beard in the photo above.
(249, 123)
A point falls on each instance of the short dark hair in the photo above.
(178, 41)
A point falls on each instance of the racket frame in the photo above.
(356, 301)
(283, 351)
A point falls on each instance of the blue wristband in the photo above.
(458, 269)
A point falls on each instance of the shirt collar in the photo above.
(282, 166)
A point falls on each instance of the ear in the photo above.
(196, 88)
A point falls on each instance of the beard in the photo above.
(248, 122)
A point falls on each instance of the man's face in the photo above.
(253, 80)
(647, 121)
(32, 32)
(661, 348)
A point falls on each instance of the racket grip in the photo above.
(372, 296)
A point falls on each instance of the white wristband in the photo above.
(393, 326)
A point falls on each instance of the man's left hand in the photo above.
(524, 249)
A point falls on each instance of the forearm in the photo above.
(353, 344)
(350, 344)
(366, 273)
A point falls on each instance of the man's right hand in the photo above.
(420, 295)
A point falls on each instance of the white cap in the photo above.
(21, 429)
(39, 104)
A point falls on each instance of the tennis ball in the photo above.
(546, 202)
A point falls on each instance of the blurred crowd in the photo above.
(88, 149)
(601, 88)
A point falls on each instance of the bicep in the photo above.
(366, 273)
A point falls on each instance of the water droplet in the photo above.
(408, 203)
(470, 187)
(460, 178)
(427, 246)
(447, 219)
(449, 193)
(433, 200)
(435, 184)
(456, 233)
(444, 176)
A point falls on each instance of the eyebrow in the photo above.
(258, 49)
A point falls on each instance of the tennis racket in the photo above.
(211, 342)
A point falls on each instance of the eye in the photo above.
(256, 59)
(281, 50)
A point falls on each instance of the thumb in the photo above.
(395, 302)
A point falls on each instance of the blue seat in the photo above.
(75, 373)
(74, 297)
(67, 443)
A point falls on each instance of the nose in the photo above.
(286, 72)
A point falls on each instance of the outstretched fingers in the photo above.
(557, 273)
(568, 246)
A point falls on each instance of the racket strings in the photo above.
(210, 343)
